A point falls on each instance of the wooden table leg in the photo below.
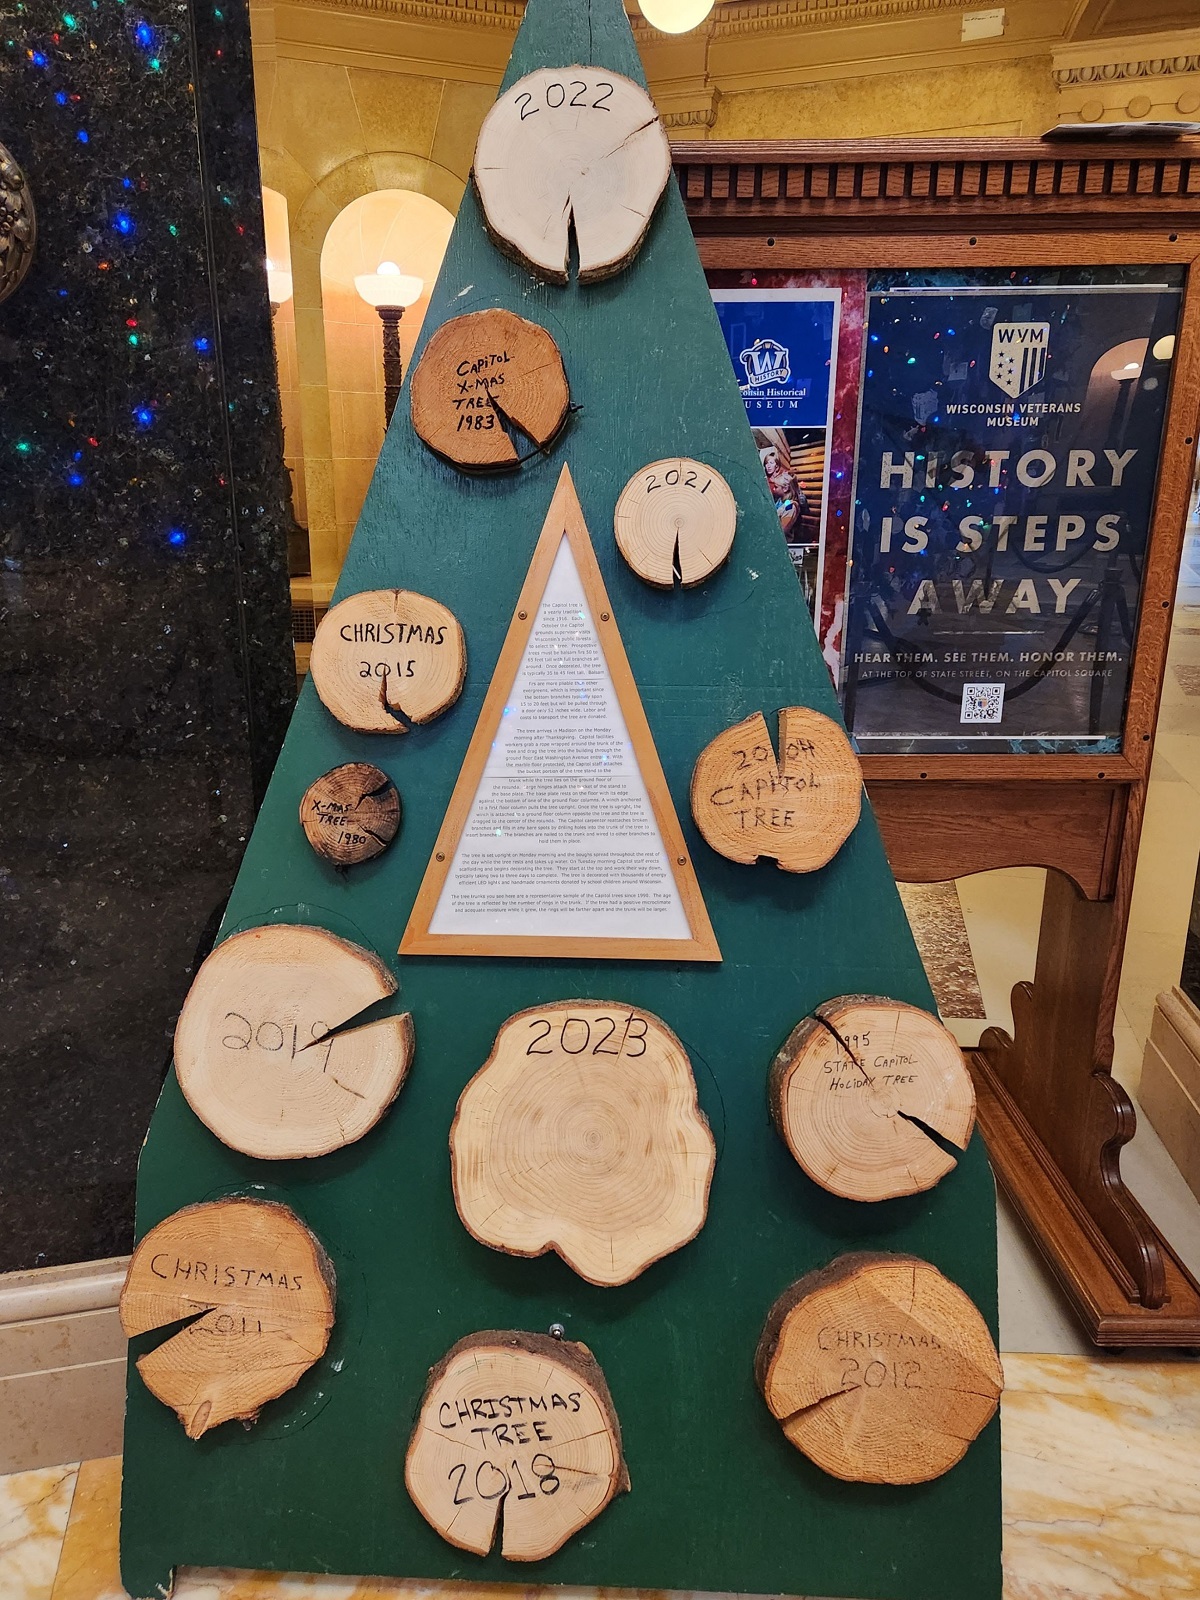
(1055, 1120)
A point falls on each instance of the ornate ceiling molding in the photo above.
(742, 17)
(696, 117)
(731, 18)
(1115, 71)
(502, 14)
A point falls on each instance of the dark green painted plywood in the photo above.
(720, 1501)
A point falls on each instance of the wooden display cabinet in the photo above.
(1053, 1116)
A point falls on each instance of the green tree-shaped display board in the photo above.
(719, 1497)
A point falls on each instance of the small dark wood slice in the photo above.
(482, 376)
(266, 1288)
(351, 813)
(517, 1432)
(879, 1369)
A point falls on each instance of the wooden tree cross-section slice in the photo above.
(799, 809)
(351, 813)
(483, 378)
(516, 1431)
(855, 1090)
(266, 1291)
(879, 1369)
(385, 656)
(675, 519)
(582, 1134)
(256, 1053)
(571, 146)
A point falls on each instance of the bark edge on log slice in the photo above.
(856, 1085)
(582, 1133)
(266, 1289)
(480, 376)
(538, 1474)
(387, 655)
(879, 1369)
(798, 809)
(571, 145)
(351, 813)
(255, 1054)
(675, 519)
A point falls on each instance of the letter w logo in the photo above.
(1020, 351)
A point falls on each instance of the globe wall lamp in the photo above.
(675, 16)
(279, 286)
(391, 292)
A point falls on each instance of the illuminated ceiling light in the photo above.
(675, 16)
(1163, 349)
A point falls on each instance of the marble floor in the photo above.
(1101, 1465)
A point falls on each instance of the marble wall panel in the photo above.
(145, 671)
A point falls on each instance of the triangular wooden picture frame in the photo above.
(564, 520)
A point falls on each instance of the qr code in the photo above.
(982, 702)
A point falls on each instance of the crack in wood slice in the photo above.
(799, 809)
(351, 813)
(261, 1290)
(571, 148)
(855, 1088)
(879, 1369)
(517, 1435)
(582, 1134)
(257, 1053)
(385, 655)
(675, 519)
(483, 376)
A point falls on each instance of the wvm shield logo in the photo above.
(766, 361)
(1019, 354)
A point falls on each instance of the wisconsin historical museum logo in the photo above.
(766, 361)
(1019, 354)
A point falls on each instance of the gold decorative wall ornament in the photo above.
(18, 225)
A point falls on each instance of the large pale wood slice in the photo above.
(385, 656)
(351, 813)
(799, 809)
(675, 519)
(482, 376)
(879, 1369)
(255, 1051)
(516, 1431)
(582, 1134)
(854, 1089)
(266, 1291)
(571, 146)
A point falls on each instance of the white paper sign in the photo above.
(561, 839)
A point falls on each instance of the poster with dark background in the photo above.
(1007, 456)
